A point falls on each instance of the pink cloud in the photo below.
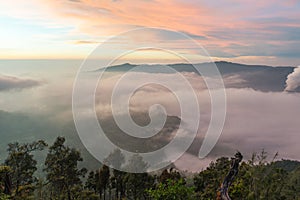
(221, 23)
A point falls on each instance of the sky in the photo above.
(252, 32)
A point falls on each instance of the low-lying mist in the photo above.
(260, 115)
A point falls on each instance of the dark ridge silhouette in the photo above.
(257, 77)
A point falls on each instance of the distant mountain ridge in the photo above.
(257, 77)
(223, 66)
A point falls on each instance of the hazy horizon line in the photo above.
(144, 63)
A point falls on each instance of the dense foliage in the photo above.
(64, 179)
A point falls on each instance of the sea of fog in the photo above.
(36, 103)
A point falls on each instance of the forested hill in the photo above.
(287, 165)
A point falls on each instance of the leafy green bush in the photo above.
(175, 190)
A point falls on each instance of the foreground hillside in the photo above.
(64, 179)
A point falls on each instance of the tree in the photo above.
(292, 188)
(98, 181)
(62, 170)
(137, 183)
(118, 183)
(103, 180)
(23, 166)
(170, 174)
(90, 183)
(172, 189)
(207, 182)
(5, 182)
(115, 160)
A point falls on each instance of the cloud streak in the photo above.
(228, 29)
(8, 83)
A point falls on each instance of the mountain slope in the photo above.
(257, 77)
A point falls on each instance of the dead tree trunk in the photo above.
(223, 193)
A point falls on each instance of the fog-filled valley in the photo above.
(262, 107)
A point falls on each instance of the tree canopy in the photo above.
(257, 179)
